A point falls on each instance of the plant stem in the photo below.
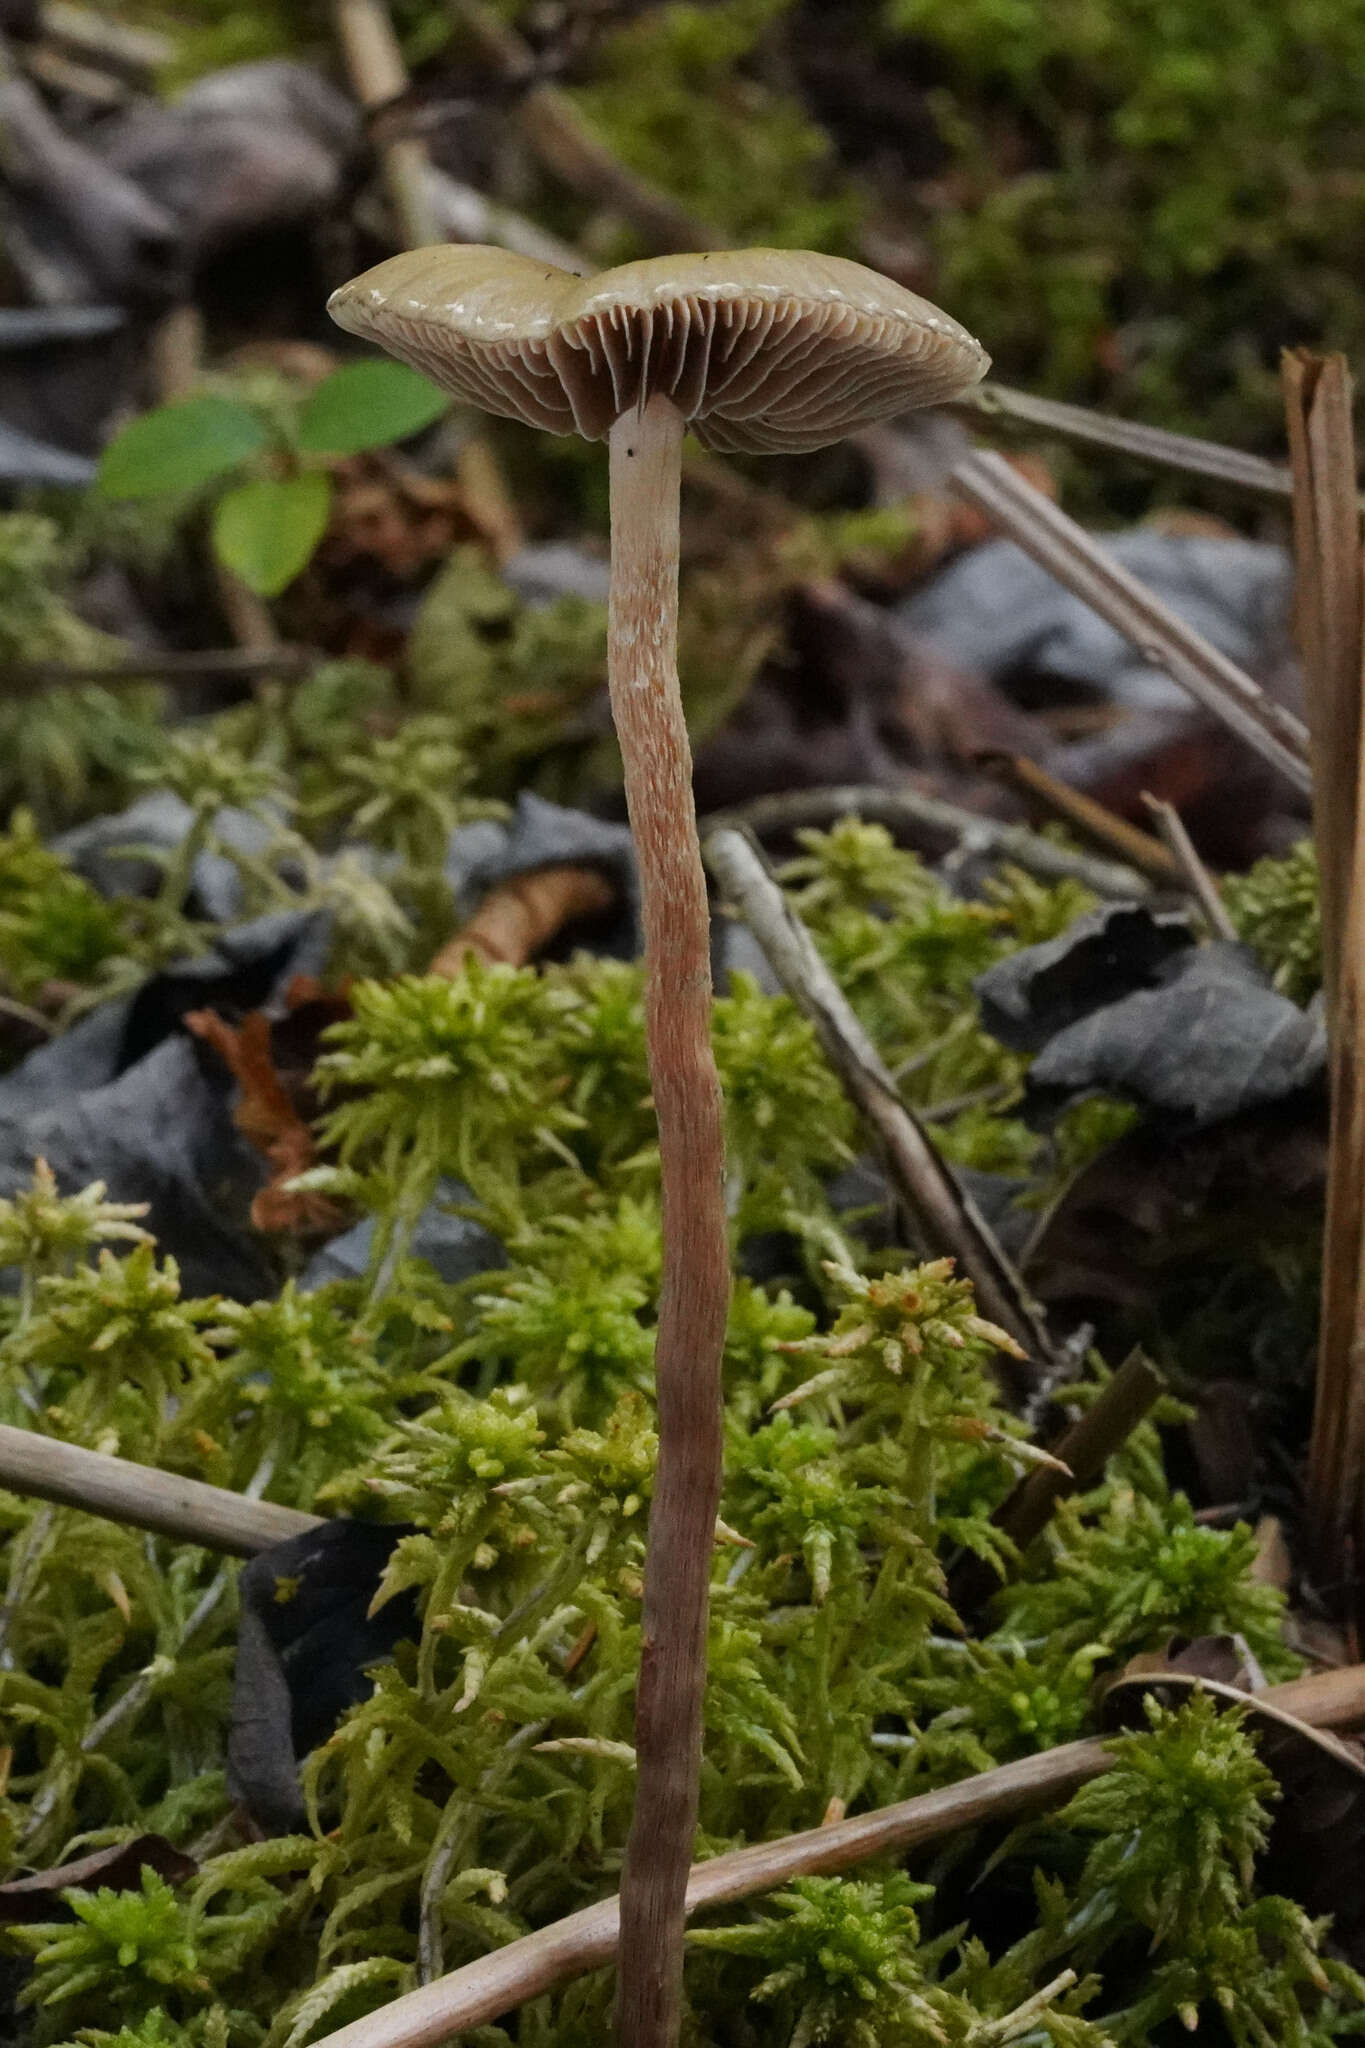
(646, 461)
(1198, 882)
(1319, 395)
(378, 75)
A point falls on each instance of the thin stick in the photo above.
(136, 54)
(461, 213)
(646, 702)
(933, 824)
(1076, 559)
(177, 354)
(1092, 820)
(1318, 395)
(1186, 453)
(1197, 880)
(41, 1468)
(1083, 1449)
(557, 132)
(945, 1215)
(435, 2015)
(26, 678)
(1082, 1452)
(378, 75)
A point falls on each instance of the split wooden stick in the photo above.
(1328, 621)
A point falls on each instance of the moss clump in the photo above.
(672, 96)
(484, 1786)
(53, 925)
(1277, 912)
(1138, 251)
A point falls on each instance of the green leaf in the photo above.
(266, 531)
(366, 405)
(179, 447)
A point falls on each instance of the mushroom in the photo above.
(758, 350)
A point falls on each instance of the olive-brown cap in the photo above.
(762, 350)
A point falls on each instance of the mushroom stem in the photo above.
(646, 452)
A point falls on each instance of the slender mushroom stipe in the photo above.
(756, 350)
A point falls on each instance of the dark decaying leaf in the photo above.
(1147, 1203)
(1225, 1434)
(1213, 1041)
(26, 460)
(305, 1641)
(1234, 805)
(997, 611)
(854, 698)
(1316, 1849)
(452, 1245)
(118, 1868)
(128, 1098)
(1113, 952)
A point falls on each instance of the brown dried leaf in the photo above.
(387, 512)
(269, 1118)
(518, 919)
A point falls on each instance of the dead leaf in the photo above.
(1037, 993)
(119, 1868)
(518, 918)
(269, 1117)
(1226, 1439)
(387, 512)
(1213, 1041)
(1272, 1565)
(1147, 1205)
(307, 1639)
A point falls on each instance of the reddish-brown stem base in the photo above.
(647, 707)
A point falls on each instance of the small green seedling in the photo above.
(267, 524)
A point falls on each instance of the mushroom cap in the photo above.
(761, 350)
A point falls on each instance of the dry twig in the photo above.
(1090, 819)
(1080, 1454)
(130, 52)
(943, 1212)
(27, 678)
(1183, 452)
(41, 1468)
(1197, 880)
(378, 75)
(1076, 559)
(933, 825)
(430, 205)
(555, 130)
